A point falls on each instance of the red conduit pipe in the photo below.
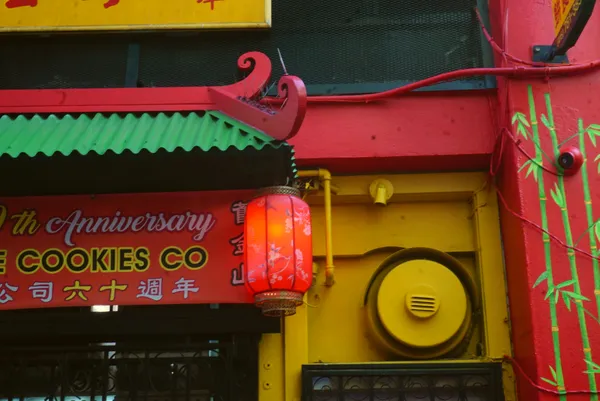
(510, 72)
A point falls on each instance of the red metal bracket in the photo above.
(238, 100)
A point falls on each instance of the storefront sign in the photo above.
(570, 17)
(126, 15)
(139, 249)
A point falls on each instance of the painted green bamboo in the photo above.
(557, 372)
(589, 209)
(577, 296)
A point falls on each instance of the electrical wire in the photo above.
(545, 72)
(492, 172)
(519, 369)
(502, 52)
(510, 72)
(517, 143)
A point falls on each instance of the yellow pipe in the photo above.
(325, 177)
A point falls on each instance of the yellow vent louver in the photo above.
(422, 306)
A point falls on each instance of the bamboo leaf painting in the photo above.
(545, 121)
(537, 170)
(570, 296)
(527, 163)
(549, 292)
(520, 117)
(593, 368)
(592, 138)
(553, 372)
(554, 381)
(567, 301)
(522, 124)
(597, 229)
(565, 284)
(543, 277)
(593, 130)
(551, 382)
(515, 118)
(534, 168)
(576, 296)
(557, 196)
(593, 133)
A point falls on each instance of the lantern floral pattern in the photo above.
(278, 250)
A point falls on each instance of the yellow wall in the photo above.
(454, 213)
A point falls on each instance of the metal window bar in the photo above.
(110, 372)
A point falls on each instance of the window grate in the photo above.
(410, 382)
(208, 371)
(336, 47)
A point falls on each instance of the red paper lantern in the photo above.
(278, 250)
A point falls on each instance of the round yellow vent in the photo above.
(420, 304)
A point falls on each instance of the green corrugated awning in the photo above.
(101, 133)
(137, 152)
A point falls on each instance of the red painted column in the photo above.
(554, 284)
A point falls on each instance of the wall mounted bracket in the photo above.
(548, 54)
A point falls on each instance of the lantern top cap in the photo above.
(279, 190)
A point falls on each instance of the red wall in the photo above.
(539, 346)
(415, 132)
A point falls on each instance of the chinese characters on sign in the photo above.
(122, 249)
(239, 215)
(126, 15)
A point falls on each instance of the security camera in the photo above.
(570, 160)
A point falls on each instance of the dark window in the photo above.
(155, 353)
(335, 46)
(62, 62)
(202, 371)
